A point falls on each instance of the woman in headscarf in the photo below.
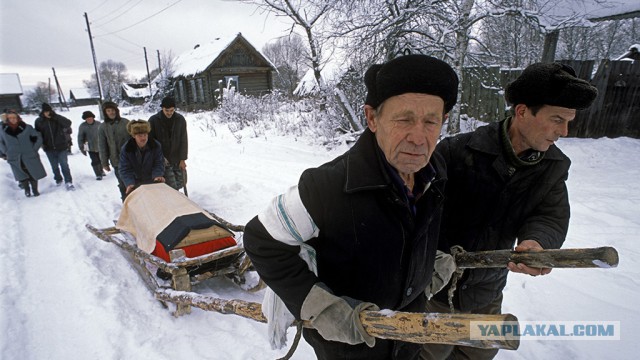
(19, 145)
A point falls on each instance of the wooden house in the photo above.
(82, 97)
(135, 94)
(201, 74)
(10, 91)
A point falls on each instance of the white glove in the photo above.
(443, 268)
(336, 318)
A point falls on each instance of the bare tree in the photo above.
(42, 93)
(112, 75)
(289, 55)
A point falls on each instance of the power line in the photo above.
(117, 15)
(110, 13)
(99, 6)
(143, 20)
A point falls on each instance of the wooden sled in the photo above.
(174, 244)
(231, 262)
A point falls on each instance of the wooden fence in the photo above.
(616, 111)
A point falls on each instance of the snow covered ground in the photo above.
(65, 294)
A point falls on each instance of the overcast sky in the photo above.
(37, 35)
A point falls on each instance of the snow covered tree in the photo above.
(289, 55)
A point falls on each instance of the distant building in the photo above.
(10, 91)
(199, 74)
(82, 97)
(632, 54)
(135, 94)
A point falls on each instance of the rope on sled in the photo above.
(456, 276)
(296, 340)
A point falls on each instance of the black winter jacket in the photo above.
(53, 132)
(172, 135)
(370, 246)
(138, 168)
(486, 208)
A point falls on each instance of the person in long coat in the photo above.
(112, 135)
(19, 145)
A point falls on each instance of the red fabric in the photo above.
(196, 250)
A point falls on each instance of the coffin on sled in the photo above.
(174, 243)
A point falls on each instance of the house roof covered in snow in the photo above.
(10, 84)
(136, 90)
(81, 94)
(616, 10)
(202, 56)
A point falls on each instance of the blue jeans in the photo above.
(58, 160)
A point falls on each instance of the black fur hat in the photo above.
(553, 84)
(46, 107)
(87, 114)
(168, 102)
(411, 73)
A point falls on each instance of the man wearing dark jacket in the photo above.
(55, 130)
(141, 160)
(360, 232)
(88, 142)
(170, 129)
(506, 185)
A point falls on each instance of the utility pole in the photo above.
(49, 92)
(159, 66)
(95, 63)
(148, 75)
(61, 98)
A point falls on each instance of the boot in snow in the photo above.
(34, 187)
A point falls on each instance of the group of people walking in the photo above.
(139, 151)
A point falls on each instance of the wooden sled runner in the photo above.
(174, 244)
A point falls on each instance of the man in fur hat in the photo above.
(506, 186)
(88, 141)
(141, 160)
(360, 232)
(112, 135)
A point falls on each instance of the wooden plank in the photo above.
(420, 328)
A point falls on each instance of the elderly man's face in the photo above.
(407, 128)
(111, 113)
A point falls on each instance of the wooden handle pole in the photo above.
(602, 257)
(421, 328)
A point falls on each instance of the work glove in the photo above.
(443, 268)
(84, 152)
(336, 318)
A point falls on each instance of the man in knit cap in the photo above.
(360, 232)
(112, 135)
(170, 129)
(88, 141)
(56, 132)
(506, 186)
